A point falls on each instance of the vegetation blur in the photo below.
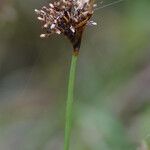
(112, 90)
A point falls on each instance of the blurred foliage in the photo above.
(112, 97)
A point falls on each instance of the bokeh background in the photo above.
(112, 91)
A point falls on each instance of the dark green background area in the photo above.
(112, 90)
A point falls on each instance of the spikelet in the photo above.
(68, 17)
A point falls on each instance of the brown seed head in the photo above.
(68, 17)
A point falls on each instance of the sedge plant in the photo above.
(67, 17)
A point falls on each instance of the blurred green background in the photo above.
(112, 91)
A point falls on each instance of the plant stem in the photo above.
(69, 104)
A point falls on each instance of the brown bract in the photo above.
(68, 17)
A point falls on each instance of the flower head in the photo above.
(68, 17)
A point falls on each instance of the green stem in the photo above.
(69, 104)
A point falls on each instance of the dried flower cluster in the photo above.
(68, 17)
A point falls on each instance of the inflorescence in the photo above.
(68, 17)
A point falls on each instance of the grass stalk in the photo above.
(69, 103)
